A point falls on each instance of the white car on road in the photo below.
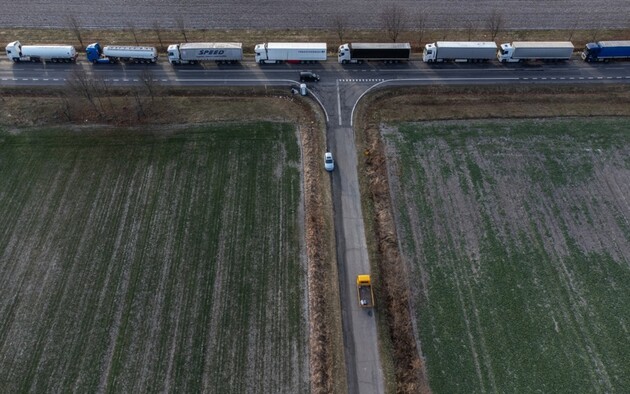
(329, 163)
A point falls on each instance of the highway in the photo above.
(340, 89)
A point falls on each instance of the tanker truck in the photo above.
(603, 51)
(359, 52)
(125, 54)
(197, 52)
(459, 51)
(519, 51)
(17, 52)
(290, 52)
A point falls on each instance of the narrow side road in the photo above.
(359, 325)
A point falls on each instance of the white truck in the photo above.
(118, 53)
(17, 52)
(459, 51)
(290, 52)
(519, 51)
(197, 52)
(359, 52)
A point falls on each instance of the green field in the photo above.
(138, 261)
(517, 234)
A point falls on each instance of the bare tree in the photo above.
(181, 26)
(139, 102)
(419, 24)
(495, 23)
(470, 25)
(595, 32)
(75, 27)
(394, 20)
(81, 85)
(158, 32)
(65, 108)
(149, 82)
(339, 24)
(132, 29)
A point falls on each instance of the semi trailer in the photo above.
(364, 291)
(519, 51)
(116, 53)
(459, 51)
(197, 52)
(17, 52)
(290, 52)
(359, 52)
(603, 51)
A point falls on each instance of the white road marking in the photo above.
(338, 103)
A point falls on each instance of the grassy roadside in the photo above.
(250, 38)
(423, 104)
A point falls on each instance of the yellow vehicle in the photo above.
(364, 290)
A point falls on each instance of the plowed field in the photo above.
(165, 261)
(517, 235)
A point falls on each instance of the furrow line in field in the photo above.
(219, 333)
(126, 239)
(53, 271)
(455, 260)
(159, 260)
(568, 281)
(110, 198)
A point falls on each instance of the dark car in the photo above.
(307, 76)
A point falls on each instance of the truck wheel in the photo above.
(344, 61)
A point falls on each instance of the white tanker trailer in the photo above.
(17, 52)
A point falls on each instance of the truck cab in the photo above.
(14, 51)
(344, 56)
(261, 53)
(429, 53)
(173, 54)
(94, 53)
(591, 51)
(505, 52)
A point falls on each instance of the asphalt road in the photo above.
(278, 14)
(338, 93)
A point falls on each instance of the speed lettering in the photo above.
(211, 52)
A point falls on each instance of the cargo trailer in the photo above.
(197, 52)
(535, 50)
(359, 52)
(459, 51)
(290, 52)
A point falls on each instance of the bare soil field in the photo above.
(509, 236)
(251, 14)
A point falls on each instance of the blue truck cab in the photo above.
(94, 53)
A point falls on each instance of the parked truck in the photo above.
(290, 52)
(197, 52)
(364, 290)
(17, 52)
(519, 51)
(459, 51)
(603, 51)
(359, 52)
(116, 53)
